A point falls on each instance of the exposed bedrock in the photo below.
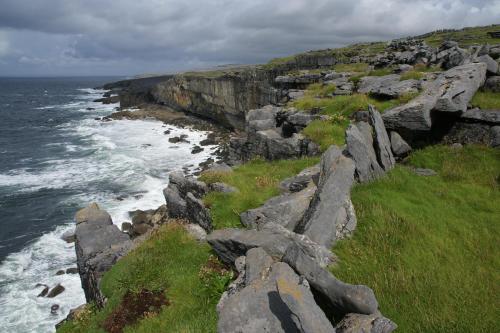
(99, 244)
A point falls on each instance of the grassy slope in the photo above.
(428, 246)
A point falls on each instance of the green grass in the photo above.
(465, 37)
(172, 261)
(428, 246)
(256, 181)
(486, 100)
(339, 109)
(355, 67)
(320, 90)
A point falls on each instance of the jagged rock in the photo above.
(99, 244)
(287, 210)
(230, 244)
(450, 92)
(399, 146)
(387, 86)
(222, 187)
(259, 307)
(330, 215)
(360, 323)
(453, 57)
(302, 180)
(175, 204)
(159, 216)
(196, 231)
(495, 136)
(340, 297)
(68, 236)
(44, 292)
(492, 84)
(381, 140)
(219, 167)
(72, 270)
(197, 213)
(491, 65)
(359, 140)
(188, 184)
(57, 290)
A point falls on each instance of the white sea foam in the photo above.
(129, 159)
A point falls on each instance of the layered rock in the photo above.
(99, 244)
(388, 86)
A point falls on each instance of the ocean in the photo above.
(55, 158)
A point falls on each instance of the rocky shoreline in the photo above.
(282, 253)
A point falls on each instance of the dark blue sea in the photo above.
(55, 158)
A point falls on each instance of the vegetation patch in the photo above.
(256, 181)
(486, 100)
(134, 307)
(354, 67)
(465, 37)
(428, 246)
(169, 260)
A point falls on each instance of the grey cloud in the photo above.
(130, 36)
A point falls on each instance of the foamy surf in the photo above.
(123, 165)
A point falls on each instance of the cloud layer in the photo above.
(60, 37)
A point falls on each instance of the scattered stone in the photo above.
(399, 146)
(361, 323)
(338, 296)
(57, 290)
(287, 210)
(197, 213)
(72, 270)
(424, 172)
(196, 231)
(301, 181)
(54, 308)
(60, 272)
(197, 150)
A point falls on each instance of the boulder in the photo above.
(495, 52)
(485, 116)
(491, 64)
(492, 84)
(99, 244)
(60, 272)
(68, 236)
(127, 227)
(159, 216)
(260, 306)
(222, 188)
(197, 213)
(399, 146)
(330, 215)
(337, 296)
(361, 323)
(175, 204)
(44, 292)
(301, 181)
(72, 270)
(359, 140)
(140, 229)
(58, 289)
(188, 184)
(381, 141)
(196, 231)
(230, 244)
(287, 210)
(197, 150)
(450, 92)
(387, 86)
(140, 217)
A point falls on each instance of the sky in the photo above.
(129, 37)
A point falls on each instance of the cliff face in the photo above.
(223, 97)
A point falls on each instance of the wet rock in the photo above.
(60, 272)
(399, 146)
(44, 292)
(54, 308)
(197, 213)
(330, 215)
(287, 210)
(197, 150)
(68, 236)
(360, 323)
(302, 180)
(72, 270)
(57, 290)
(338, 296)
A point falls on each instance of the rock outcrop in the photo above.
(99, 244)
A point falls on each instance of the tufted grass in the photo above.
(428, 246)
(486, 100)
(256, 181)
(172, 261)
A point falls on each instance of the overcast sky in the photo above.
(127, 37)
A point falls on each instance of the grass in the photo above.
(256, 181)
(355, 67)
(339, 109)
(428, 246)
(486, 100)
(172, 261)
(465, 37)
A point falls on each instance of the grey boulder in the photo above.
(197, 212)
(399, 146)
(387, 86)
(492, 84)
(381, 141)
(491, 64)
(360, 323)
(302, 180)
